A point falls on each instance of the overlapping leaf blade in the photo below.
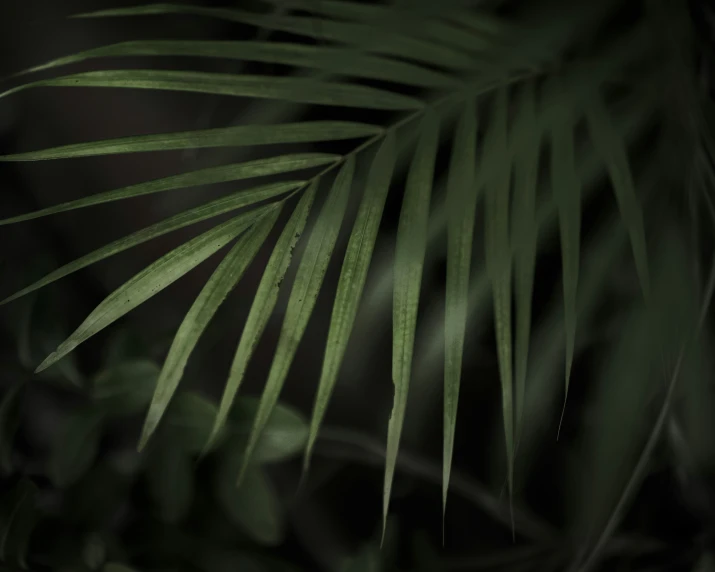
(308, 280)
(524, 233)
(364, 36)
(149, 282)
(566, 188)
(409, 262)
(211, 175)
(297, 90)
(263, 303)
(352, 280)
(221, 283)
(499, 264)
(181, 220)
(241, 135)
(461, 203)
(611, 147)
(334, 60)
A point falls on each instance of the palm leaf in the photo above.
(223, 280)
(263, 303)
(149, 282)
(409, 261)
(181, 220)
(304, 294)
(525, 236)
(334, 60)
(499, 265)
(462, 201)
(352, 280)
(296, 90)
(241, 135)
(566, 187)
(212, 175)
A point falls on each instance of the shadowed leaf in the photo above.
(566, 188)
(462, 194)
(409, 262)
(210, 176)
(181, 220)
(149, 282)
(304, 294)
(263, 304)
(334, 60)
(352, 281)
(222, 282)
(241, 135)
(297, 90)
(524, 234)
(611, 147)
(499, 265)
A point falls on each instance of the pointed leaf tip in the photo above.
(352, 281)
(409, 262)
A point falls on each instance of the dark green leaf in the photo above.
(222, 282)
(181, 220)
(241, 135)
(334, 60)
(263, 303)
(364, 36)
(292, 89)
(524, 234)
(304, 294)
(149, 282)
(499, 264)
(409, 262)
(566, 187)
(212, 175)
(352, 280)
(613, 150)
(461, 204)
(188, 420)
(75, 447)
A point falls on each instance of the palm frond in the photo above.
(452, 62)
(207, 303)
